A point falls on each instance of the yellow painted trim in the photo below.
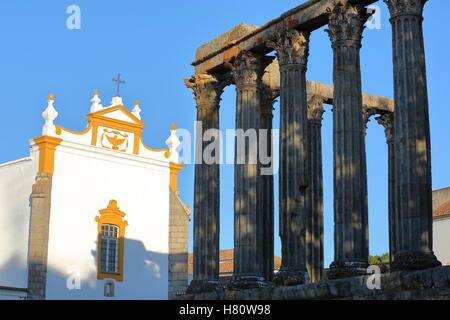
(47, 146)
(100, 114)
(111, 215)
(60, 129)
(97, 119)
(136, 144)
(116, 124)
(174, 169)
(115, 143)
(166, 154)
(94, 135)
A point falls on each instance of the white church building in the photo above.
(93, 214)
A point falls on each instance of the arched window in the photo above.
(110, 249)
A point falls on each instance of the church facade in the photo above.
(93, 214)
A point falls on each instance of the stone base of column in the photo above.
(200, 286)
(340, 270)
(285, 278)
(247, 282)
(414, 260)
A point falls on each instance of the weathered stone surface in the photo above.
(413, 204)
(207, 91)
(39, 233)
(178, 245)
(266, 180)
(224, 40)
(292, 50)
(307, 16)
(314, 200)
(351, 234)
(272, 79)
(249, 230)
(387, 121)
(429, 284)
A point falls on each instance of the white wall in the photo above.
(441, 240)
(16, 180)
(85, 179)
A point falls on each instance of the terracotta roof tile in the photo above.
(226, 261)
(442, 210)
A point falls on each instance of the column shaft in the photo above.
(266, 198)
(207, 90)
(314, 222)
(248, 219)
(413, 245)
(351, 248)
(292, 49)
(387, 121)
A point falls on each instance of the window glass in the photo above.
(109, 249)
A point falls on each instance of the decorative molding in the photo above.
(136, 110)
(346, 23)
(248, 68)
(41, 186)
(47, 146)
(268, 98)
(174, 169)
(49, 116)
(117, 141)
(291, 47)
(173, 143)
(387, 121)
(96, 105)
(405, 7)
(207, 89)
(111, 215)
(366, 114)
(315, 107)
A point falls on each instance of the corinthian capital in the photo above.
(315, 107)
(248, 68)
(387, 121)
(268, 98)
(207, 89)
(401, 7)
(346, 22)
(292, 47)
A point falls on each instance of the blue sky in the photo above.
(152, 44)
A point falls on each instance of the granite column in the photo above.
(292, 51)
(248, 69)
(207, 91)
(314, 220)
(351, 240)
(413, 245)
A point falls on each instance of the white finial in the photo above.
(116, 101)
(96, 106)
(49, 115)
(173, 143)
(136, 110)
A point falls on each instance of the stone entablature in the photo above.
(219, 51)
